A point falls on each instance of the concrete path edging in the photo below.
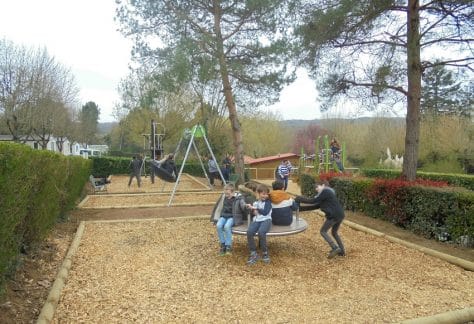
(47, 312)
(465, 264)
(459, 316)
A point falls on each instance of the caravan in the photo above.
(85, 153)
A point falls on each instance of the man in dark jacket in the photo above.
(326, 200)
(135, 167)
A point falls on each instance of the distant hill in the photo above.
(301, 123)
(105, 128)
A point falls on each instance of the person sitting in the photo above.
(166, 168)
(282, 205)
(230, 210)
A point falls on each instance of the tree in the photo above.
(265, 135)
(89, 119)
(193, 102)
(306, 137)
(372, 50)
(442, 94)
(235, 42)
(34, 90)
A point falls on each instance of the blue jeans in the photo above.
(285, 182)
(262, 228)
(224, 230)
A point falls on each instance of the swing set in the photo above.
(191, 135)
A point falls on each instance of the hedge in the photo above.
(105, 166)
(37, 188)
(442, 213)
(459, 180)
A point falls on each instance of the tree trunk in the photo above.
(412, 136)
(234, 121)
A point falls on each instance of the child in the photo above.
(261, 223)
(326, 200)
(284, 170)
(226, 220)
(213, 170)
(283, 205)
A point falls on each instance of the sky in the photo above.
(82, 35)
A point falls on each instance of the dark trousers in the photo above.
(135, 175)
(334, 226)
(262, 228)
(285, 182)
(212, 176)
(226, 174)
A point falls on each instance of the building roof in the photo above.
(279, 157)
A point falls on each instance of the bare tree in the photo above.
(35, 89)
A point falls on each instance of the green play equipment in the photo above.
(323, 159)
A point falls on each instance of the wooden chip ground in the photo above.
(168, 270)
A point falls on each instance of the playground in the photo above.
(161, 264)
(150, 254)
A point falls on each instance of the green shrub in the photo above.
(461, 221)
(15, 168)
(37, 188)
(352, 193)
(460, 180)
(306, 182)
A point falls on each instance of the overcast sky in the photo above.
(81, 35)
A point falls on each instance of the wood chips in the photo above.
(169, 271)
(190, 191)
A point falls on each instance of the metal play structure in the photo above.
(153, 143)
(323, 160)
(191, 135)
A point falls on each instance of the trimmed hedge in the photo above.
(443, 213)
(37, 188)
(459, 180)
(105, 166)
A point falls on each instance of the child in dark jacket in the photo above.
(326, 200)
(226, 220)
(230, 210)
(283, 205)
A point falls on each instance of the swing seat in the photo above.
(163, 174)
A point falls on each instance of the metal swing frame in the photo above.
(196, 132)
